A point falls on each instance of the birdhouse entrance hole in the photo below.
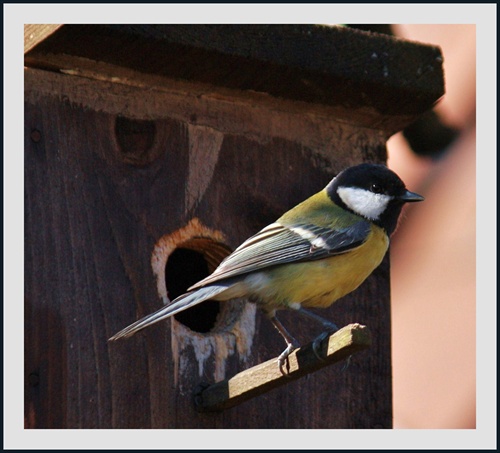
(188, 263)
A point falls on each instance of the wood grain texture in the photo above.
(36, 33)
(298, 62)
(91, 224)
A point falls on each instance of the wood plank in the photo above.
(36, 33)
(267, 376)
(334, 133)
(325, 65)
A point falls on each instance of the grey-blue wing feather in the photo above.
(333, 242)
(180, 304)
(278, 244)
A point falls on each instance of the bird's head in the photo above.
(371, 191)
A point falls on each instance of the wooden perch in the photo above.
(267, 376)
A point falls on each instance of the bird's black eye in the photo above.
(376, 188)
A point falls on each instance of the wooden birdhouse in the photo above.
(152, 152)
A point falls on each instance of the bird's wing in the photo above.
(279, 244)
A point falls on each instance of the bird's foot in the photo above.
(316, 344)
(283, 357)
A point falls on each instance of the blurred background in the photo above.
(433, 255)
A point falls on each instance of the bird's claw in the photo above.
(316, 344)
(283, 357)
(281, 364)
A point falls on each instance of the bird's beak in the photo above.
(410, 197)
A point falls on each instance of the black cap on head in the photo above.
(373, 177)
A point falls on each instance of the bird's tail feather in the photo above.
(180, 304)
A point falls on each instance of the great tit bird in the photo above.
(314, 254)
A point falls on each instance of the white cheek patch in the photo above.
(363, 202)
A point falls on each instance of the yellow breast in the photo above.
(320, 283)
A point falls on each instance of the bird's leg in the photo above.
(324, 322)
(291, 343)
(330, 326)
